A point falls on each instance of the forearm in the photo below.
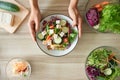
(34, 4)
(73, 4)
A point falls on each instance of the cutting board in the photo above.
(19, 17)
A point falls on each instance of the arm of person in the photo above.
(34, 19)
(75, 15)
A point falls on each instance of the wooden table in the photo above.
(44, 67)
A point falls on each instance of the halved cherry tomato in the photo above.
(65, 40)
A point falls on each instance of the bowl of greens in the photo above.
(103, 63)
(57, 37)
(104, 16)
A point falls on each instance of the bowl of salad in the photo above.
(57, 37)
(103, 63)
(104, 16)
(18, 69)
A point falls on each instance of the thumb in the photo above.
(74, 22)
(37, 26)
(79, 26)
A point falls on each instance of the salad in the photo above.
(18, 68)
(56, 34)
(102, 64)
(104, 17)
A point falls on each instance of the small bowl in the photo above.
(11, 75)
(114, 50)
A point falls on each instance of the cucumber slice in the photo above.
(63, 22)
(40, 36)
(108, 71)
(65, 29)
(58, 40)
(9, 6)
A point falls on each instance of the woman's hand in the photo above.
(75, 15)
(34, 20)
(34, 23)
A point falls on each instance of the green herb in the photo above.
(100, 78)
(57, 30)
(47, 28)
(72, 36)
(25, 75)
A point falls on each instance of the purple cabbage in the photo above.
(92, 72)
(92, 16)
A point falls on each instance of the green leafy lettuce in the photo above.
(98, 57)
(110, 19)
(73, 35)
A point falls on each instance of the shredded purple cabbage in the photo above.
(92, 72)
(92, 16)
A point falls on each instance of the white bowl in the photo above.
(58, 52)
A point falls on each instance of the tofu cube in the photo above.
(44, 33)
(51, 31)
(49, 42)
(62, 34)
(6, 19)
(55, 36)
(57, 21)
(58, 26)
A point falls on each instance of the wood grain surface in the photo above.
(19, 17)
(44, 67)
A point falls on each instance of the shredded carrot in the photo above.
(100, 9)
(105, 3)
(111, 56)
(48, 37)
(97, 6)
(116, 60)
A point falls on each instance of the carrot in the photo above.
(52, 26)
(97, 6)
(100, 9)
(111, 56)
(48, 37)
(100, 5)
(104, 3)
(116, 60)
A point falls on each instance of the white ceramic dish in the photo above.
(58, 52)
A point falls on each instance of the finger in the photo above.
(32, 30)
(37, 25)
(73, 16)
(79, 26)
(74, 22)
(33, 34)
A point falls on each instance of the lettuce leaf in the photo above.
(110, 19)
